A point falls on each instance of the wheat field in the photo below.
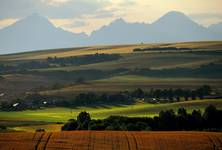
(108, 140)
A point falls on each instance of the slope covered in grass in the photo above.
(137, 110)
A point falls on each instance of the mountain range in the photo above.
(36, 32)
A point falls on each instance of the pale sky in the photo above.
(89, 15)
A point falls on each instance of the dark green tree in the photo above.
(70, 125)
(83, 120)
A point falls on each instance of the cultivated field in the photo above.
(202, 53)
(15, 85)
(121, 49)
(148, 60)
(86, 140)
(131, 82)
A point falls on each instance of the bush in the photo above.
(40, 130)
(167, 120)
(70, 125)
(3, 127)
(96, 125)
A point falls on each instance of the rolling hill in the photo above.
(118, 75)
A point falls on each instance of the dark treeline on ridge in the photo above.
(82, 60)
(211, 70)
(161, 49)
(167, 120)
(36, 101)
(63, 61)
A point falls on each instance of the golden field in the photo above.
(107, 140)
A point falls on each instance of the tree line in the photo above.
(160, 49)
(36, 101)
(55, 62)
(210, 70)
(167, 120)
(82, 60)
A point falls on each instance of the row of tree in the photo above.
(35, 101)
(161, 49)
(81, 60)
(174, 94)
(166, 121)
(54, 62)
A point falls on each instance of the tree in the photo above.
(167, 120)
(197, 120)
(206, 90)
(182, 118)
(203, 91)
(186, 94)
(157, 93)
(170, 95)
(212, 117)
(83, 120)
(4, 105)
(96, 125)
(178, 93)
(70, 125)
(200, 93)
(182, 112)
(138, 93)
(193, 95)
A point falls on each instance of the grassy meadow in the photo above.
(48, 118)
(101, 112)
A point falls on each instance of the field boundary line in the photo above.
(47, 141)
(212, 142)
(39, 141)
(134, 138)
(128, 143)
(219, 142)
(33, 138)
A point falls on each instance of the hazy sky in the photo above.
(89, 15)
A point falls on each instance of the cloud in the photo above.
(75, 24)
(6, 22)
(101, 14)
(50, 8)
(207, 19)
(55, 2)
(130, 3)
(206, 15)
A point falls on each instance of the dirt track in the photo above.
(86, 140)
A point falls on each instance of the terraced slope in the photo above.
(86, 140)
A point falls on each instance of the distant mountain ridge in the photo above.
(36, 32)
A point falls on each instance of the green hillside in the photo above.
(140, 109)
